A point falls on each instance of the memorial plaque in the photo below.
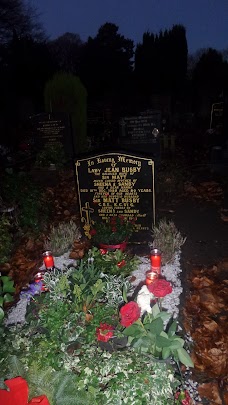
(138, 133)
(52, 128)
(117, 184)
(217, 115)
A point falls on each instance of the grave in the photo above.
(140, 133)
(50, 129)
(114, 184)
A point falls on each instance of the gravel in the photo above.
(170, 272)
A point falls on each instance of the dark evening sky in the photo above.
(206, 21)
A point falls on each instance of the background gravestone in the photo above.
(137, 133)
(50, 129)
(117, 184)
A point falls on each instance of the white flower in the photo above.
(143, 300)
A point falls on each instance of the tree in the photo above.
(65, 93)
(161, 61)
(107, 61)
(20, 19)
(66, 51)
(146, 68)
(209, 80)
(209, 71)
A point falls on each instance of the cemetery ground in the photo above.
(197, 201)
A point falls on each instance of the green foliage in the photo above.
(116, 289)
(167, 239)
(58, 284)
(51, 154)
(7, 290)
(149, 337)
(57, 351)
(114, 231)
(113, 263)
(20, 190)
(97, 377)
(60, 387)
(6, 240)
(66, 93)
(81, 285)
(32, 211)
(61, 237)
(100, 313)
(87, 285)
(93, 278)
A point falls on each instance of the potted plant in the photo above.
(113, 234)
(167, 239)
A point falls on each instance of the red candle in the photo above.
(155, 260)
(48, 260)
(151, 276)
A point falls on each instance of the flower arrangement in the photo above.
(115, 231)
(145, 325)
(92, 338)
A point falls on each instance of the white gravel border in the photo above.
(170, 271)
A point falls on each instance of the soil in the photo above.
(198, 217)
(204, 221)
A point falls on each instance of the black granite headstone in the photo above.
(117, 184)
(138, 133)
(52, 128)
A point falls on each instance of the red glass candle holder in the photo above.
(155, 260)
(40, 277)
(48, 260)
(151, 276)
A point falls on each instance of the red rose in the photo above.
(104, 332)
(129, 313)
(160, 288)
(114, 229)
(92, 232)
